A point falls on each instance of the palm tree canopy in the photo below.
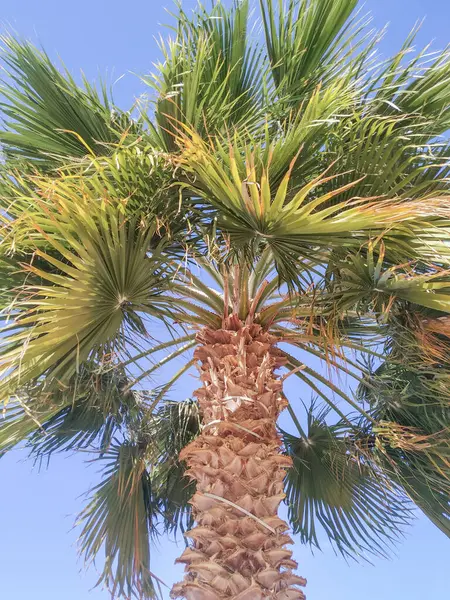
(286, 173)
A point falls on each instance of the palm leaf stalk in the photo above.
(276, 222)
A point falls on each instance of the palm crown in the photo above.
(288, 185)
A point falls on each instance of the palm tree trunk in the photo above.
(238, 548)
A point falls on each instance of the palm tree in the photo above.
(279, 203)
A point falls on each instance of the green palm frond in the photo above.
(355, 506)
(11, 278)
(210, 78)
(365, 281)
(309, 42)
(21, 417)
(301, 134)
(48, 116)
(119, 521)
(401, 394)
(144, 177)
(418, 462)
(97, 407)
(173, 426)
(256, 215)
(427, 94)
(388, 155)
(84, 414)
(410, 400)
(419, 87)
(426, 488)
(97, 281)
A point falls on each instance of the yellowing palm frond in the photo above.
(292, 223)
(97, 276)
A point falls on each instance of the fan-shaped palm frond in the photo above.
(48, 116)
(308, 42)
(387, 155)
(257, 216)
(410, 401)
(119, 520)
(210, 78)
(360, 511)
(419, 87)
(102, 278)
(141, 175)
(302, 133)
(418, 462)
(100, 407)
(173, 426)
(21, 418)
(364, 280)
(85, 413)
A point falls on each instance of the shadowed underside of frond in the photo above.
(238, 548)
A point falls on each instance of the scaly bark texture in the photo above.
(239, 544)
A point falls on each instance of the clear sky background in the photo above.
(38, 558)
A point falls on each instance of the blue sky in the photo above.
(37, 543)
